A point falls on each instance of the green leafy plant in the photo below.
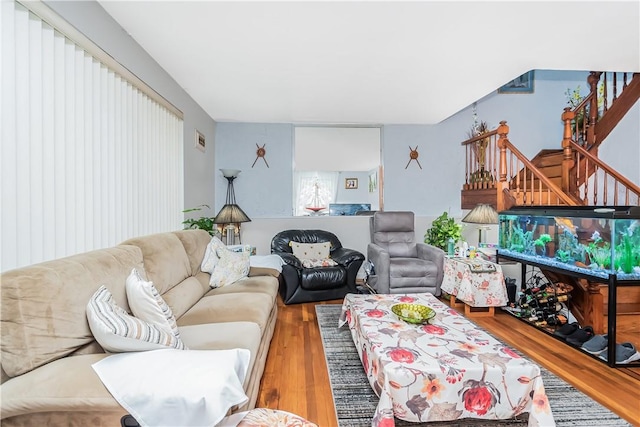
(442, 229)
(574, 99)
(563, 256)
(599, 251)
(625, 255)
(542, 242)
(203, 223)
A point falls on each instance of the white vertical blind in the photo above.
(88, 160)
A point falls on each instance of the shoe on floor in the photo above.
(596, 345)
(625, 353)
(581, 336)
(566, 330)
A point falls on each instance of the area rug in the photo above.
(355, 401)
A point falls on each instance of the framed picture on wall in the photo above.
(373, 182)
(522, 84)
(351, 183)
(200, 141)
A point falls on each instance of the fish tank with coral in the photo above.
(593, 240)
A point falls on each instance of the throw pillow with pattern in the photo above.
(117, 331)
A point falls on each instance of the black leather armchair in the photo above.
(299, 284)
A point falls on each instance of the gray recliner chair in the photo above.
(400, 264)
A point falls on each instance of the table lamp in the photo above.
(482, 214)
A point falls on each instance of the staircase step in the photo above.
(551, 171)
(548, 158)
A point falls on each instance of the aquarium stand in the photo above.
(613, 284)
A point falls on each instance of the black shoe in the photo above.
(567, 330)
(581, 336)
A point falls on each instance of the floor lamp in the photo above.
(231, 216)
(482, 214)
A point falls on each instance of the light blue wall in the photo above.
(261, 191)
(534, 121)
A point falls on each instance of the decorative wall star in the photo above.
(260, 152)
(413, 155)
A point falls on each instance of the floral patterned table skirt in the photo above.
(479, 288)
(447, 370)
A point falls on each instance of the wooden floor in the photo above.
(296, 379)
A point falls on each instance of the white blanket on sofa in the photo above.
(176, 387)
(267, 261)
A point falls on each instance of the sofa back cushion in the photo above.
(43, 314)
(394, 232)
(172, 262)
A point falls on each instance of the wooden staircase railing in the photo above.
(601, 185)
(497, 173)
(522, 183)
(611, 95)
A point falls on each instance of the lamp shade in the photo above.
(482, 214)
(230, 173)
(231, 214)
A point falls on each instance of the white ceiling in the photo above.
(371, 62)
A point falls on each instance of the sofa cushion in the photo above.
(165, 259)
(313, 263)
(43, 315)
(263, 284)
(232, 307)
(188, 292)
(67, 384)
(221, 336)
(231, 267)
(194, 242)
(117, 331)
(147, 304)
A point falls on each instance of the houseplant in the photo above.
(442, 229)
(203, 223)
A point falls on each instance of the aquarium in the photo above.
(597, 241)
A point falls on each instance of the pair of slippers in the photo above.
(574, 334)
(625, 353)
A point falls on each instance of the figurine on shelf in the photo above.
(316, 202)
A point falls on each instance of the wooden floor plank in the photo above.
(296, 377)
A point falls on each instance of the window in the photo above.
(90, 154)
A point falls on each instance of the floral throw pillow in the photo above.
(210, 259)
(311, 250)
(117, 331)
(312, 263)
(231, 267)
(270, 417)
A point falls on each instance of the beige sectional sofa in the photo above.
(47, 348)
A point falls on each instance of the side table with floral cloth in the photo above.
(447, 370)
(476, 282)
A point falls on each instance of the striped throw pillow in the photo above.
(117, 331)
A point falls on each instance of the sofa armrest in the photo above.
(346, 257)
(434, 254)
(380, 260)
(289, 259)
